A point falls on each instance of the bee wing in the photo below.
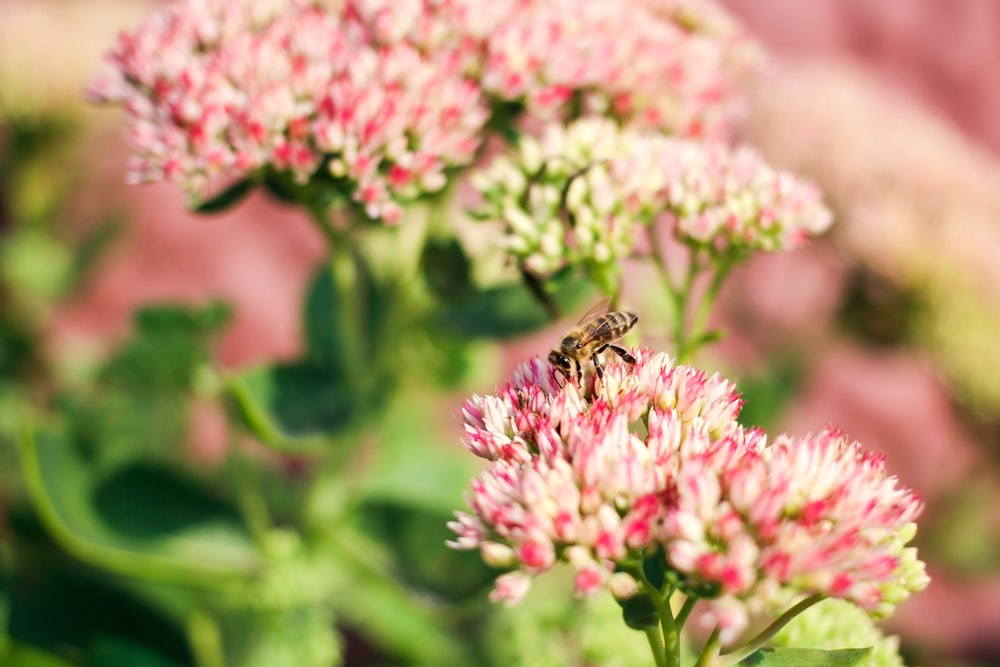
(596, 310)
(602, 331)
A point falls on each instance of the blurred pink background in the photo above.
(940, 56)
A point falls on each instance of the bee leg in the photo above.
(597, 363)
(623, 354)
(579, 371)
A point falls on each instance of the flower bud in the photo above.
(623, 585)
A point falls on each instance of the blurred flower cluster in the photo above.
(225, 87)
(920, 214)
(581, 193)
(651, 460)
(386, 96)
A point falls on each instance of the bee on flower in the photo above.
(652, 464)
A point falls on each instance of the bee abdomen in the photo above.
(619, 322)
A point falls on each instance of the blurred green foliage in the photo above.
(319, 538)
(324, 545)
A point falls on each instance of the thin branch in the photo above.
(735, 655)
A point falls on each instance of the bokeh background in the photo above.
(888, 327)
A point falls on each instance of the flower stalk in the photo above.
(668, 628)
(734, 656)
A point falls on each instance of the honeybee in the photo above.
(596, 332)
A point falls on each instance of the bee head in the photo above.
(559, 360)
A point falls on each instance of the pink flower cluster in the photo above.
(608, 181)
(652, 457)
(387, 95)
(724, 198)
(220, 88)
(674, 66)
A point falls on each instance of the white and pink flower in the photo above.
(652, 458)
(581, 194)
(220, 88)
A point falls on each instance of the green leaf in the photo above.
(319, 192)
(92, 248)
(324, 336)
(16, 654)
(299, 636)
(138, 405)
(57, 605)
(417, 478)
(141, 521)
(447, 269)
(343, 314)
(639, 612)
(148, 503)
(499, 312)
(396, 621)
(230, 196)
(282, 188)
(654, 568)
(115, 652)
(419, 462)
(345, 376)
(295, 407)
(766, 395)
(511, 310)
(807, 657)
(416, 538)
(504, 119)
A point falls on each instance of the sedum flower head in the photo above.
(651, 459)
(666, 64)
(220, 88)
(580, 194)
(387, 95)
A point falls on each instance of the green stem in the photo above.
(205, 640)
(345, 265)
(685, 611)
(684, 340)
(656, 646)
(711, 652)
(671, 636)
(668, 626)
(740, 652)
(704, 309)
(537, 289)
(676, 294)
(250, 500)
(146, 566)
(318, 215)
(258, 421)
(660, 261)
